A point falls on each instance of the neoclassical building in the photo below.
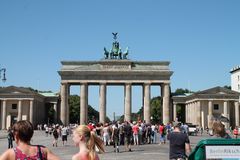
(202, 107)
(235, 78)
(18, 103)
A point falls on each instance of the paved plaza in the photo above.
(141, 152)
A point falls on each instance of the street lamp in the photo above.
(3, 70)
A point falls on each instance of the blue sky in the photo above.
(201, 39)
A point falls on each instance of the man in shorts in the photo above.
(127, 129)
(64, 135)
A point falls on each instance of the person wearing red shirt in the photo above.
(235, 132)
(135, 129)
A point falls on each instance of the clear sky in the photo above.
(201, 39)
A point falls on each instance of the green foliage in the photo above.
(228, 87)
(74, 111)
(180, 91)
(74, 108)
(134, 117)
(50, 113)
(156, 109)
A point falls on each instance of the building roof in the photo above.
(21, 92)
(13, 90)
(237, 68)
(212, 93)
(49, 94)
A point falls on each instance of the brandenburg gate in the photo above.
(114, 69)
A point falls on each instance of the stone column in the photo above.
(64, 103)
(102, 102)
(4, 110)
(186, 113)
(128, 102)
(31, 111)
(192, 109)
(146, 107)
(210, 114)
(225, 113)
(67, 104)
(202, 118)
(55, 112)
(236, 113)
(87, 104)
(166, 103)
(19, 118)
(174, 111)
(83, 103)
(198, 112)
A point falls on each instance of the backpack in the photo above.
(55, 133)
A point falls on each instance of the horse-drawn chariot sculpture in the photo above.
(116, 51)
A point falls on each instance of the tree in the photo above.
(50, 113)
(180, 91)
(156, 109)
(228, 87)
(74, 107)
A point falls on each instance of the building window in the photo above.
(215, 107)
(238, 87)
(14, 106)
(238, 78)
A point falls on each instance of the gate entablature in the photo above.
(115, 71)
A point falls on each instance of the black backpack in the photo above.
(55, 133)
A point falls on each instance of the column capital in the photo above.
(64, 83)
(164, 84)
(147, 83)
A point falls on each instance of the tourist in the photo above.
(140, 133)
(127, 129)
(46, 130)
(10, 138)
(64, 133)
(235, 132)
(135, 130)
(106, 136)
(115, 137)
(55, 135)
(219, 130)
(87, 142)
(162, 132)
(207, 129)
(23, 132)
(179, 143)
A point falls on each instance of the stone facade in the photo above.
(114, 72)
(235, 79)
(18, 103)
(201, 108)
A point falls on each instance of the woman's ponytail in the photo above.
(92, 143)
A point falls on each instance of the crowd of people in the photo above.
(92, 138)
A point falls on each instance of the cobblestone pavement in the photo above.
(141, 152)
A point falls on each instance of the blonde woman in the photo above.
(86, 141)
